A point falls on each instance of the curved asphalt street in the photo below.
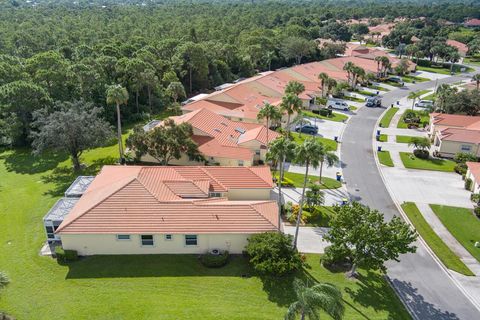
(422, 284)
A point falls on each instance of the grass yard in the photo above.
(352, 108)
(338, 117)
(472, 60)
(443, 70)
(383, 138)
(430, 97)
(462, 224)
(379, 88)
(412, 162)
(441, 250)
(366, 93)
(297, 180)
(403, 139)
(328, 143)
(423, 119)
(394, 84)
(387, 117)
(410, 79)
(139, 287)
(353, 99)
(385, 158)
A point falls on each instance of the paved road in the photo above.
(422, 284)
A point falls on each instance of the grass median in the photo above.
(385, 158)
(403, 139)
(441, 250)
(330, 144)
(292, 179)
(387, 117)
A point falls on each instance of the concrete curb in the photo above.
(405, 217)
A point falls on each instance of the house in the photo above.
(223, 141)
(472, 23)
(360, 51)
(461, 47)
(379, 31)
(170, 210)
(473, 173)
(452, 134)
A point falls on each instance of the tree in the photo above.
(279, 150)
(176, 91)
(420, 143)
(272, 253)
(191, 61)
(294, 87)
(402, 67)
(476, 78)
(269, 112)
(413, 96)
(75, 127)
(323, 81)
(331, 84)
(324, 296)
(306, 154)
(348, 67)
(290, 104)
(297, 48)
(366, 239)
(315, 196)
(118, 95)
(328, 157)
(443, 92)
(166, 142)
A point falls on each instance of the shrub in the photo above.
(215, 260)
(475, 197)
(325, 112)
(293, 214)
(460, 168)
(463, 157)
(421, 154)
(477, 212)
(287, 183)
(273, 253)
(468, 183)
(335, 258)
(65, 255)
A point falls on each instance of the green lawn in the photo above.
(410, 79)
(442, 70)
(338, 117)
(366, 93)
(352, 108)
(430, 97)
(387, 117)
(422, 92)
(394, 84)
(297, 180)
(383, 138)
(403, 139)
(472, 60)
(379, 88)
(441, 250)
(423, 118)
(412, 162)
(329, 143)
(321, 218)
(353, 99)
(139, 287)
(462, 224)
(384, 158)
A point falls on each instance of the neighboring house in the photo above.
(170, 210)
(461, 47)
(359, 51)
(379, 31)
(223, 141)
(440, 121)
(472, 23)
(473, 173)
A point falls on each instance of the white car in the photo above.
(424, 104)
(337, 104)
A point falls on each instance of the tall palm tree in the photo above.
(294, 87)
(328, 157)
(443, 92)
(291, 103)
(476, 78)
(385, 62)
(413, 96)
(306, 154)
(324, 296)
(378, 59)
(116, 94)
(323, 81)
(4, 280)
(280, 149)
(348, 67)
(331, 83)
(269, 112)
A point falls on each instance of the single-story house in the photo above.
(170, 210)
(360, 51)
(223, 141)
(450, 141)
(440, 121)
(473, 173)
(472, 23)
(461, 47)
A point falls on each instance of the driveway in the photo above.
(425, 287)
(332, 196)
(328, 129)
(310, 240)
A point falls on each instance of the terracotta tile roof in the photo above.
(133, 202)
(474, 168)
(460, 135)
(461, 47)
(454, 120)
(472, 23)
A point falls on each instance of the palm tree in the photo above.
(324, 296)
(476, 78)
(291, 103)
(116, 94)
(4, 280)
(348, 67)
(420, 143)
(294, 87)
(328, 157)
(413, 96)
(280, 149)
(331, 83)
(269, 112)
(378, 59)
(323, 81)
(443, 92)
(306, 154)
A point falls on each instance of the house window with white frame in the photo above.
(191, 240)
(466, 148)
(168, 237)
(147, 240)
(123, 237)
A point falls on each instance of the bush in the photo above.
(475, 197)
(468, 183)
(293, 214)
(325, 112)
(273, 253)
(477, 212)
(460, 168)
(215, 260)
(421, 154)
(336, 258)
(65, 255)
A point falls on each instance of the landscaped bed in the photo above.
(383, 138)
(424, 118)
(328, 143)
(441, 250)
(385, 158)
(387, 117)
(338, 117)
(462, 224)
(412, 162)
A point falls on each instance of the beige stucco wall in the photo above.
(249, 194)
(184, 161)
(475, 188)
(450, 148)
(91, 244)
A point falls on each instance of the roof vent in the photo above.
(217, 130)
(241, 130)
(223, 123)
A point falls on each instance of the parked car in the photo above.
(396, 79)
(424, 104)
(307, 128)
(337, 104)
(373, 102)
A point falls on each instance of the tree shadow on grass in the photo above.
(24, 162)
(62, 177)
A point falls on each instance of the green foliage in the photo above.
(413, 162)
(468, 183)
(215, 260)
(315, 196)
(272, 253)
(65, 255)
(385, 158)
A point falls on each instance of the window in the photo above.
(50, 234)
(466, 147)
(240, 163)
(123, 237)
(168, 237)
(215, 194)
(147, 239)
(190, 240)
(257, 152)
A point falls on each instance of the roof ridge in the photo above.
(252, 205)
(211, 177)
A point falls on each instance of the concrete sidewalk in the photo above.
(310, 239)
